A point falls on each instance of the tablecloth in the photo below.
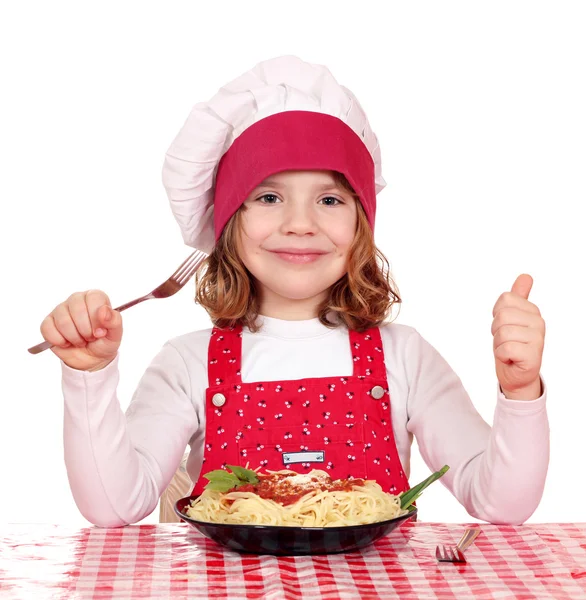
(175, 561)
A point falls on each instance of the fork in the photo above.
(181, 276)
(456, 554)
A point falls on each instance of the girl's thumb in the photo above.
(111, 321)
(107, 316)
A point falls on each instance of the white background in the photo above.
(479, 108)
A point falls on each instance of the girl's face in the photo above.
(296, 230)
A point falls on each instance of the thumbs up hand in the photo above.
(519, 334)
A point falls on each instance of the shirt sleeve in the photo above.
(487, 465)
(119, 464)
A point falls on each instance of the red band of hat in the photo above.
(292, 140)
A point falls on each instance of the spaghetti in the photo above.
(285, 498)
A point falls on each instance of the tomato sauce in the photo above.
(277, 487)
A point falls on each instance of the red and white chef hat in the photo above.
(284, 114)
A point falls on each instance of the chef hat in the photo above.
(284, 114)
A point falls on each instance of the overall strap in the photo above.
(225, 356)
(368, 354)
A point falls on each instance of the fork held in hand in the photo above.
(181, 276)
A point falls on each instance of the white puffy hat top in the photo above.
(283, 114)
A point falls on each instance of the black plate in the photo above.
(286, 541)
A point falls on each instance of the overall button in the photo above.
(377, 392)
(219, 400)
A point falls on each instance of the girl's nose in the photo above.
(300, 219)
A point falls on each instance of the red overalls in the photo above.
(341, 425)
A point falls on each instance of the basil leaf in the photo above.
(221, 479)
(408, 497)
(220, 474)
(221, 486)
(245, 475)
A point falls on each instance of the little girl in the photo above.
(276, 177)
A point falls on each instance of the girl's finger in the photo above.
(514, 333)
(516, 316)
(512, 300)
(78, 311)
(50, 333)
(66, 327)
(512, 352)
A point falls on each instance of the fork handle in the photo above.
(469, 536)
(40, 347)
(133, 302)
(46, 345)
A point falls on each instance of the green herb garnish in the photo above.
(244, 474)
(408, 497)
(223, 481)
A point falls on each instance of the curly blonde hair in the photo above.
(361, 299)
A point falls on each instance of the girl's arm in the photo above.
(497, 474)
(118, 465)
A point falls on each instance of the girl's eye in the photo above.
(331, 201)
(269, 199)
(273, 199)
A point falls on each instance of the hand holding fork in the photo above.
(85, 332)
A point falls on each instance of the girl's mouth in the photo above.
(299, 259)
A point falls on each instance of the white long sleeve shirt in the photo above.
(119, 464)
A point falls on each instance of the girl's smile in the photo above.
(300, 256)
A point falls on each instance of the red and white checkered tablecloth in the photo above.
(174, 561)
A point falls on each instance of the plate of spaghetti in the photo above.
(287, 513)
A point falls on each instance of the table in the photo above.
(175, 561)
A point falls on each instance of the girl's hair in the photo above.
(362, 298)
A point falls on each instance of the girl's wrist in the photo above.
(101, 365)
(530, 392)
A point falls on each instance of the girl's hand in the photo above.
(85, 331)
(519, 334)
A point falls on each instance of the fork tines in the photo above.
(447, 554)
(187, 267)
